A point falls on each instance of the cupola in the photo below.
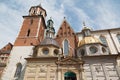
(90, 45)
(87, 37)
(50, 31)
(49, 46)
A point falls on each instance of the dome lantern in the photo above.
(86, 31)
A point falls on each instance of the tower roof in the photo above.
(7, 48)
(36, 9)
(49, 41)
(65, 30)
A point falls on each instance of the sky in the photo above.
(97, 14)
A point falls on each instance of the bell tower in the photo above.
(31, 34)
(33, 27)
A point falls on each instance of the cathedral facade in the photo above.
(39, 54)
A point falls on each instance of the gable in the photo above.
(6, 48)
(65, 30)
(69, 61)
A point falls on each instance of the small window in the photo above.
(40, 12)
(45, 51)
(56, 51)
(103, 40)
(93, 49)
(66, 47)
(31, 21)
(82, 52)
(57, 36)
(18, 70)
(118, 37)
(28, 33)
(73, 33)
(103, 50)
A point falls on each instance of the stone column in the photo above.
(92, 72)
(37, 72)
(81, 72)
(48, 72)
(105, 72)
(58, 72)
(26, 73)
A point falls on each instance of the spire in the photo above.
(40, 5)
(83, 23)
(86, 30)
(50, 29)
(64, 17)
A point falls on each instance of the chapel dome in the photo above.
(88, 40)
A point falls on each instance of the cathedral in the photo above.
(39, 53)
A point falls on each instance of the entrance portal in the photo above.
(70, 76)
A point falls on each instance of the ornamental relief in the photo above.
(43, 68)
(69, 63)
(52, 70)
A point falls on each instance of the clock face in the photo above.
(93, 49)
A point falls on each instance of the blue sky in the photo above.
(97, 14)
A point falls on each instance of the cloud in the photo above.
(96, 14)
(106, 17)
(11, 17)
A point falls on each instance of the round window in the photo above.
(56, 51)
(93, 49)
(45, 51)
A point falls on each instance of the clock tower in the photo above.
(31, 34)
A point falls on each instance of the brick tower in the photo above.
(31, 34)
(32, 31)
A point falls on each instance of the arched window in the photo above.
(18, 70)
(103, 40)
(66, 47)
(118, 37)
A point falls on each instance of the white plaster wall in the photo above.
(18, 54)
(114, 35)
(108, 38)
(106, 34)
(106, 71)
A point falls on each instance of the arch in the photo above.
(18, 70)
(103, 40)
(70, 76)
(66, 47)
(118, 37)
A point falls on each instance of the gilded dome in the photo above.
(88, 40)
